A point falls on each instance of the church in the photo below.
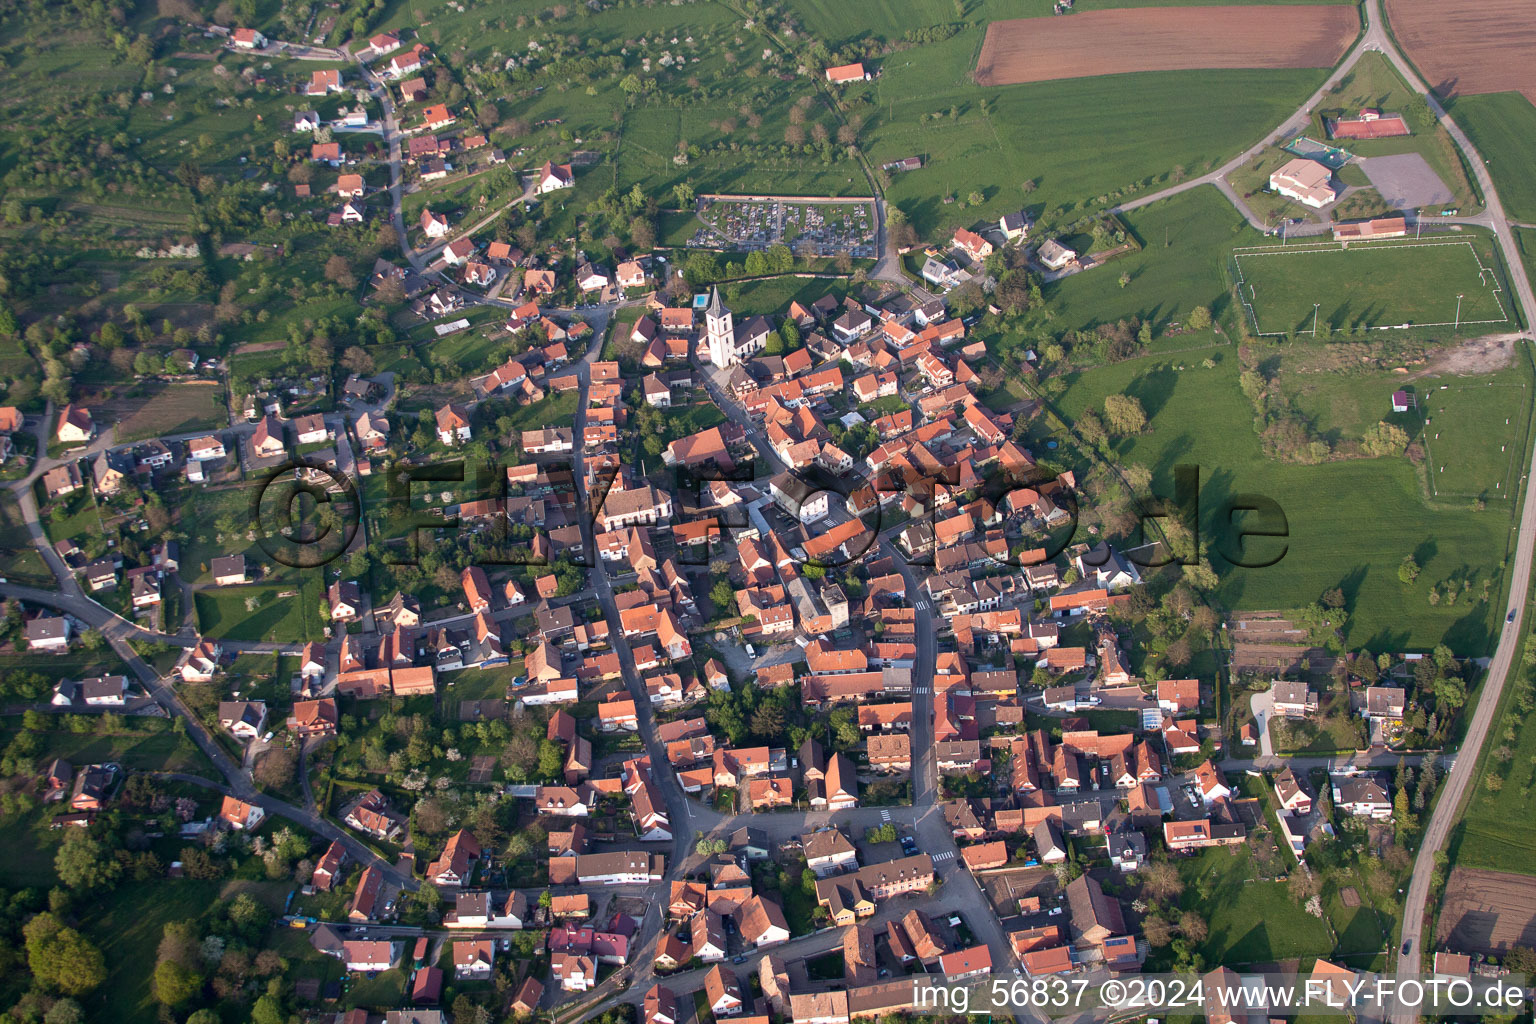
(729, 344)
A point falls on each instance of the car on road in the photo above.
(740, 959)
(1510, 617)
(1407, 946)
(908, 845)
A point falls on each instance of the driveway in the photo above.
(1263, 707)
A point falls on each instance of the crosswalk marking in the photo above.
(943, 856)
(885, 815)
(922, 606)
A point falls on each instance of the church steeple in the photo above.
(719, 331)
(716, 307)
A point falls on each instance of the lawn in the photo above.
(180, 408)
(23, 563)
(76, 664)
(1350, 521)
(1250, 921)
(286, 612)
(144, 744)
(1179, 267)
(1382, 284)
(1502, 126)
(771, 296)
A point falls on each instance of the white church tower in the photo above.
(719, 331)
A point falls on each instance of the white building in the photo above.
(729, 343)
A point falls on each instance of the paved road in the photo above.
(1447, 810)
(391, 134)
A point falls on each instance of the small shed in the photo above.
(1402, 401)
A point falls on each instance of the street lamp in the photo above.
(1314, 318)
(1458, 314)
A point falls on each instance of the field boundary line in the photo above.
(1313, 249)
(1511, 466)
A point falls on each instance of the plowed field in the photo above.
(1164, 39)
(1469, 46)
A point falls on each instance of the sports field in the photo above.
(1474, 437)
(1382, 284)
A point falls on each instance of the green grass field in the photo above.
(1250, 921)
(1022, 145)
(1383, 284)
(1503, 128)
(1475, 437)
(261, 612)
(1178, 268)
(149, 745)
(1350, 521)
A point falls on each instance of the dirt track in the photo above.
(1487, 912)
(1469, 46)
(1164, 39)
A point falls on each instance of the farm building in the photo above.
(847, 73)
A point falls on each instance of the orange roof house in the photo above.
(847, 73)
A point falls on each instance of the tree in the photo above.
(1408, 569)
(84, 862)
(1521, 960)
(1125, 414)
(277, 768)
(1199, 319)
(357, 360)
(339, 271)
(683, 192)
(551, 758)
(1450, 692)
(60, 958)
(1385, 439)
(1303, 885)
(1161, 881)
(175, 983)
(64, 1011)
(268, 1010)
(1156, 930)
(768, 720)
